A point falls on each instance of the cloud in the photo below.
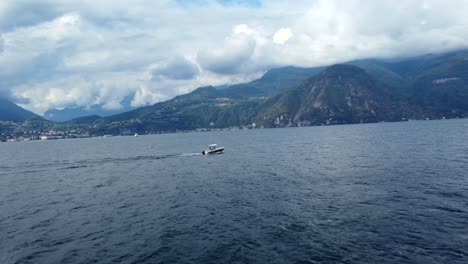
(236, 51)
(112, 105)
(332, 32)
(282, 36)
(248, 3)
(101, 89)
(59, 53)
(252, 3)
(144, 96)
(34, 53)
(177, 68)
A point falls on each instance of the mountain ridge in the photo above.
(10, 111)
(342, 93)
(200, 108)
(432, 87)
(73, 112)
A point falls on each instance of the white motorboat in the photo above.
(213, 149)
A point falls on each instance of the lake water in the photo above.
(377, 193)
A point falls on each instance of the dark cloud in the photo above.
(176, 69)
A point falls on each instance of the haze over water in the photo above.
(377, 193)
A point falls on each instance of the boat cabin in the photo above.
(212, 146)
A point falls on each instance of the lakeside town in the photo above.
(32, 130)
(11, 131)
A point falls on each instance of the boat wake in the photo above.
(190, 154)
(85, 163)
(90, 163)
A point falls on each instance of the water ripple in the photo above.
(385, 193)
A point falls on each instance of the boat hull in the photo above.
(213, 151)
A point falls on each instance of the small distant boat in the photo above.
(136, 134)
(213, 149)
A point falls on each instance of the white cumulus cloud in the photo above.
(282, 36)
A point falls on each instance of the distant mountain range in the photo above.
(72, 112)
(437, 83)
(431, 86)
(12, 112)
(271, 83)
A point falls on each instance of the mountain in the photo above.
(205, 107)
(379, 70)
(84, 120)
(434, 86)
(272, 82)
(430, 86)
(437, 82)
(69, 113)
(340, 94)
(12, 112)
(440, 83)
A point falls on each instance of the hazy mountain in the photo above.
(437, 82)
(12, 112)
(272, 82)
(440, 83)
(379, 70)
(69, 113)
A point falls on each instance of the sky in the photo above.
(61, 53)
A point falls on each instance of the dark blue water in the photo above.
(380, 193)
